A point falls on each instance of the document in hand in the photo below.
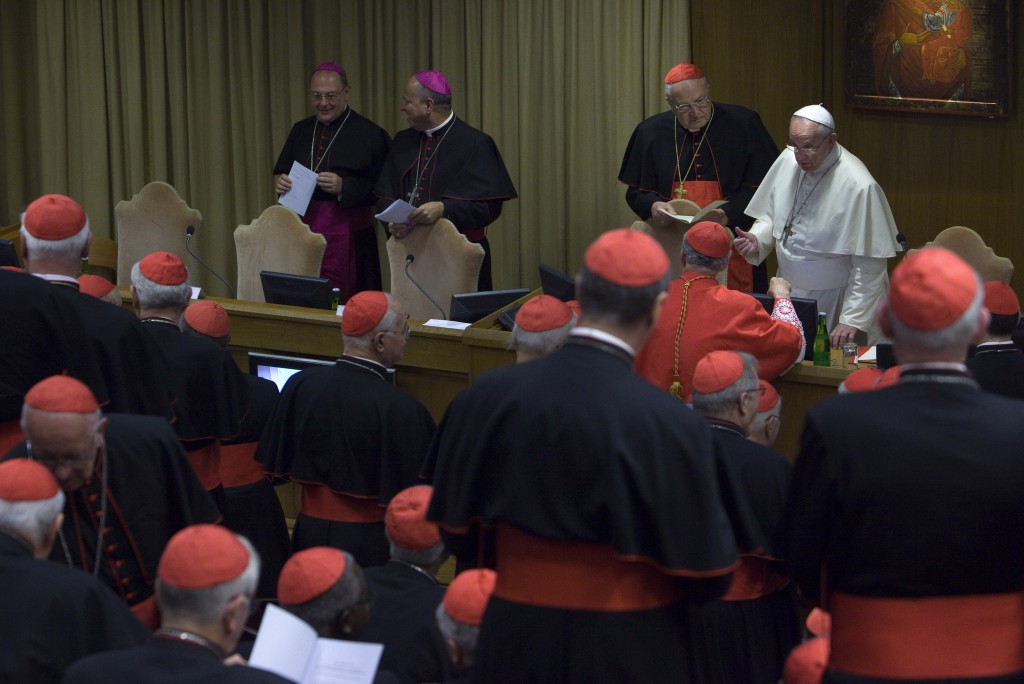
(303, 186)
(691, 212)
(398, 211)
(287, 646)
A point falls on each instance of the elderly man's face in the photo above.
(393, 341)
(416, 112)
(327, 95)
(809, 146)
(66, 443)
(691, 103)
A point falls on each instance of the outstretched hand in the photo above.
(745, 243)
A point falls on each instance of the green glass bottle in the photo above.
(336, 298)
(822, 348)
(85, 264)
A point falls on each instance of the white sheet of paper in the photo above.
(870, 356)
(284, 645)
(287, 646)
(303, 185)
(398, 212)
(343, 662)
(452, 325)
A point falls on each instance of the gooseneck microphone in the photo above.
(902, 239)
(189, 232)
(408, 261)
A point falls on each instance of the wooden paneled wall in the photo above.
(937, 170)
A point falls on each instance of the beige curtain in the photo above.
(101, 97)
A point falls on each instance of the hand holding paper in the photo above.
(303, 185)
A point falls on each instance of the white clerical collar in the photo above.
(435, 129)
(602, 336)
(934, 366)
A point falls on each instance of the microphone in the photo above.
(902, 239)
(189, 232)
(409, 258)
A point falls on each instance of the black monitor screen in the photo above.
(297, 290)
(470, 307)
(885, 357)
(8, 254)
(806, 311)
(556, 283)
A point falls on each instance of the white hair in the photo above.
(465, 636)
(68, 249)
(31, 519)
(152, 295)
(543, 342)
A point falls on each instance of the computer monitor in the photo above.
(556, 283)
(806, 311)
(885, 357)
(8, 254)
(470, 307)
(297, 290)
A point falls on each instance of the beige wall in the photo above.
(936, 170)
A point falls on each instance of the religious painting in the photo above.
(933, 56)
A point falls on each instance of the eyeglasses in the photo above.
(330, 97)
(686, 107)
(805, 149)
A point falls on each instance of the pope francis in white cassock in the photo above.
(829, 223)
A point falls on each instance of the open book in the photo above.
(287, 646)
(688, 211)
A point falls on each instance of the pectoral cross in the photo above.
(786, 232)
(680, 192)
(414, 195)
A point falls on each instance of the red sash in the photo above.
(206, 462)
(577, 575)
(927, 638)
(754, 578)
(237, 466)
(319, 501)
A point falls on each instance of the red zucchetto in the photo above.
(54, 217)
(363, 312)
(309, 573)
(627, 257)
(61, 394)
(202, 556)
(931, 289)
(163, 268)
(683, 72)
(716, 371)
